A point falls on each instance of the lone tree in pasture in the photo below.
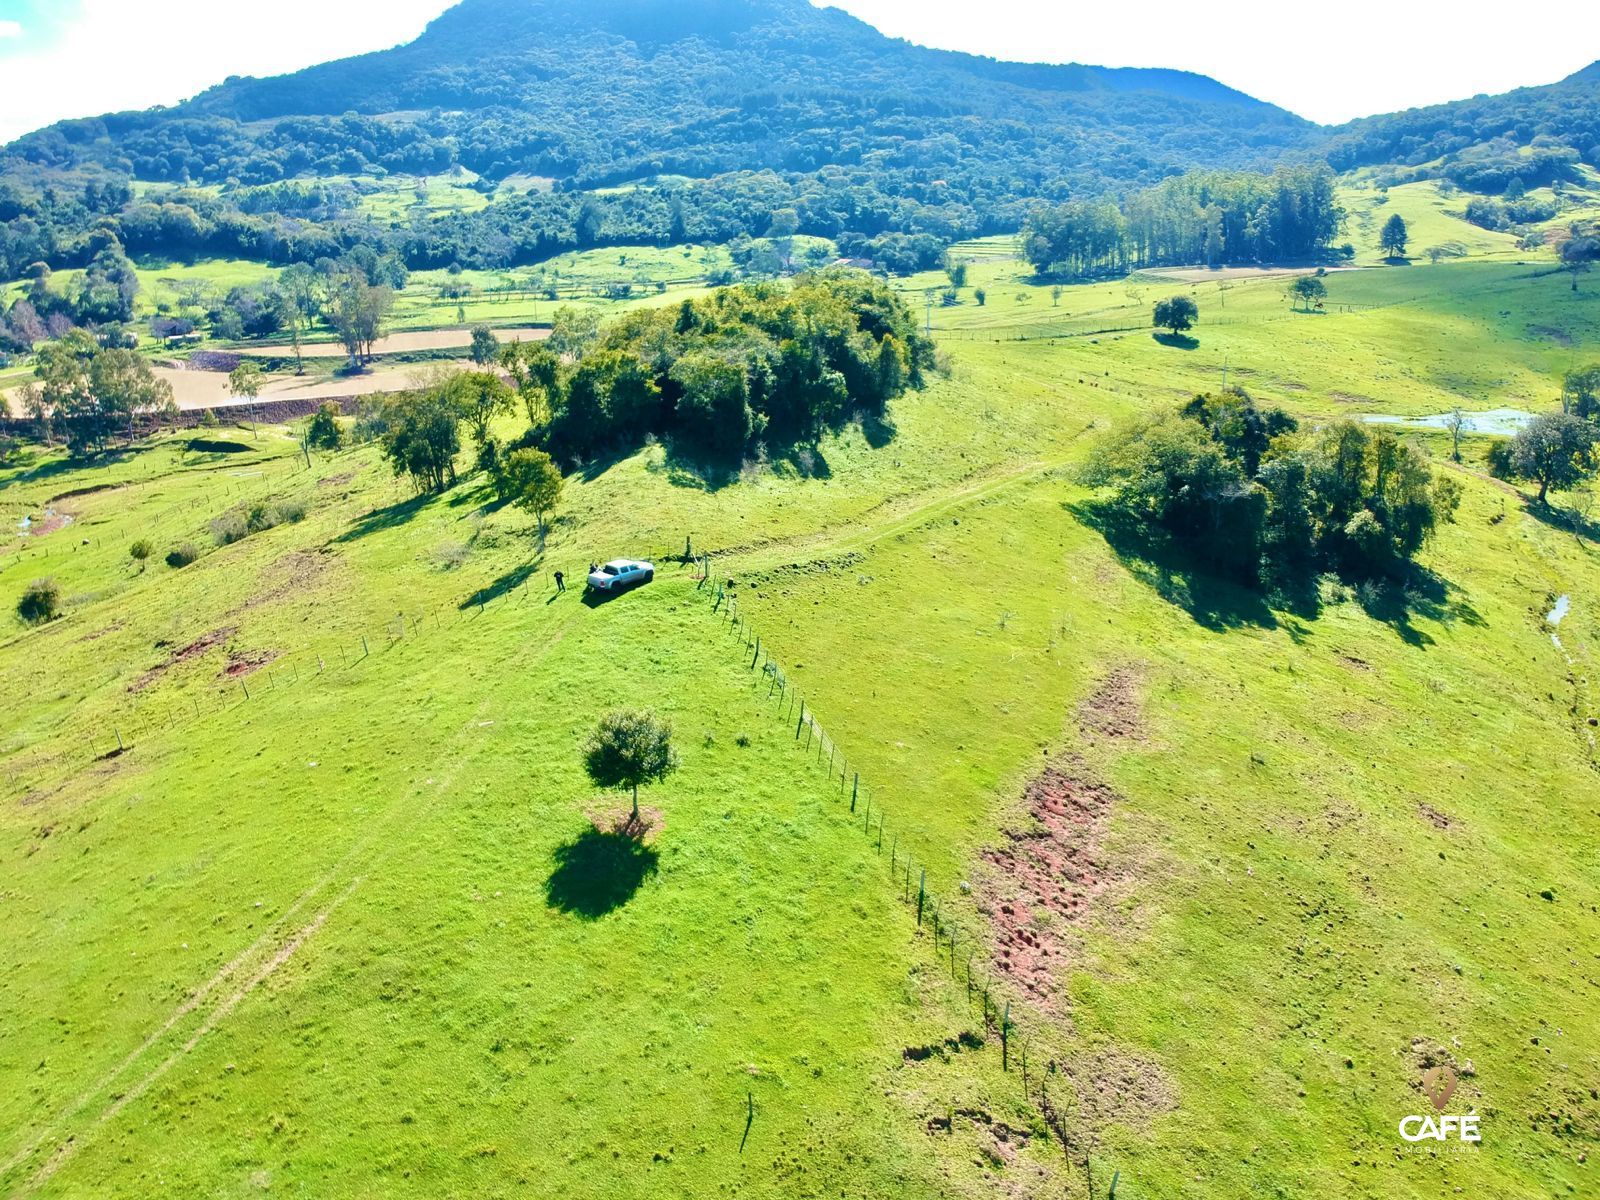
(1579, 253)
(1308, 290)
(244, 383)
(1392, 241)
(484, 345)
(1456, 423)
(957, 271)
(140, 552)
(1556, 450)
(630, 746)
(1176, 313)
(533, 482)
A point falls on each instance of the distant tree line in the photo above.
(1531, 137)
(1209, 217)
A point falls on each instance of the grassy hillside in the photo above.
(1305, 854)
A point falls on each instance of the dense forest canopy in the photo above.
(1531, 137)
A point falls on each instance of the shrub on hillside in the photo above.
(230, 527)
(40, 602)
(182, 556)
(239, 523)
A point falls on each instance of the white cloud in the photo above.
(117, 56)
(10, 29)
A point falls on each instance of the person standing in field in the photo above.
(561, 582)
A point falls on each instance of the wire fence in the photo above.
(955, 944)
(255, 680)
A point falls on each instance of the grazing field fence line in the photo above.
(235, 491)
(955, 944)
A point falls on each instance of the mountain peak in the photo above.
(646, 22)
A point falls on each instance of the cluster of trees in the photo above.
(747, 368)
(1243, 488)
(89, 394)
(1490, 213)
(1211, 217)
(751, 366)
(99, 299)
(1557, 451)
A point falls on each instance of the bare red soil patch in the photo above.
(1046, 875)
(645, 828)
(248, 662)
(193, 650)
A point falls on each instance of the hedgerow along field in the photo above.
(1324, 848)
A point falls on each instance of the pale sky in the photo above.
(66, 58)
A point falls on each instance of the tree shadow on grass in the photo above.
(1178, 341)
(509, 582)
(388, 517)
(1176, 576)
(598, 872)
(686, 469)
(1567, 519)
(1397, 603)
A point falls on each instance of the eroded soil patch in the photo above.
(294, 573)
(247, 662)
(1433, 816)
(193, 650)
(1045, 876)
(1118, 1087)
(1115, 710)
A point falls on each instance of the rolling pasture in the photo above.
(365, 931)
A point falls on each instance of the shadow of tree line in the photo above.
(1184, 580)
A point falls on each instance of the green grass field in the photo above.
(356, 933)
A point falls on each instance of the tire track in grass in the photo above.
(907, 513)
(402, 816)
(65, 1151)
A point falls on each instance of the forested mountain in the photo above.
(597, 92)
(722, 111)
(629, 121)
(1533, 135)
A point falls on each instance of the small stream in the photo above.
(1553, 618)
